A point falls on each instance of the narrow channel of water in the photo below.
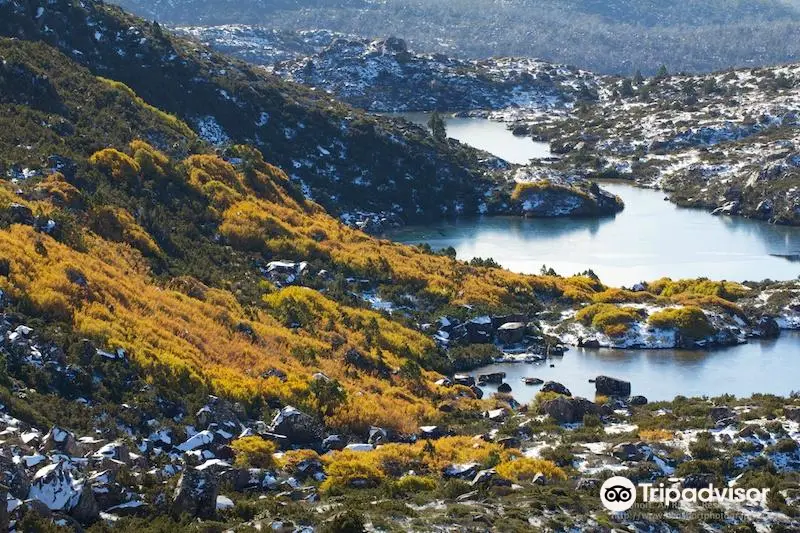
(493, 137)
(650, 239)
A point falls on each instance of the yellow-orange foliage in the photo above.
(254, 452)
(152, 163)
(117, 164)
(59, 190)
(195, 328)
(526, 468)
(655, 435)
(122, 307)
(395, 460)
(116, 224)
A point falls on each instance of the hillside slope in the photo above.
(344, 158)
(187, 342)
(385, 75)
(727, 142)
(608, 36)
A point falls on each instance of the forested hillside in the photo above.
(617, 36)
(341, 157)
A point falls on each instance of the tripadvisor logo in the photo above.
(618, 494)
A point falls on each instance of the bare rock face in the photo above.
(558, 388)
(609, 386)
(57, 488)
(568, 410)
(196, 494)
(297, 426)
(61, 440)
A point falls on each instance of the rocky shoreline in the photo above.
(559, 444)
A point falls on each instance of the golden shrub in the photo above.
(254, 452)
(414, 484)
(351, 472)
(117, 164)
(153, 164)
(60, 191)
(118, 225)
(526, 468)
(289, 460)
(205, 168)
(612, 320)
(690, 321)
(655, 435)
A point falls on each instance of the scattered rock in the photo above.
(55, 487)
(609, 386)
(792, 413)
(589, 483)
(20, 214)
(566, 410)
(509, 442)
(61, 440)
(333, 442)
(297, 426)
(511, 332)
(628, 451)
(377, 436)
(558, 388)
(461, 471)
(464, 379)
(721, 413)
(196, 494)
(487, 478)
(495, 378)
(697, 481)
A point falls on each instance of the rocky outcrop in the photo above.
(56, 487)
(609, 386)
(558, 388)
(196, 494)
(297, 426)
(61, 440)
(542, 192)
(566, 410)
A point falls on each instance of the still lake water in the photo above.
(493, 137)
(768, 366)
(650, 239)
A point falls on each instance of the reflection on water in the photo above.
(759, 366)
(650, 239)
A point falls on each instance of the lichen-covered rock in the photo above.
(196, 494)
